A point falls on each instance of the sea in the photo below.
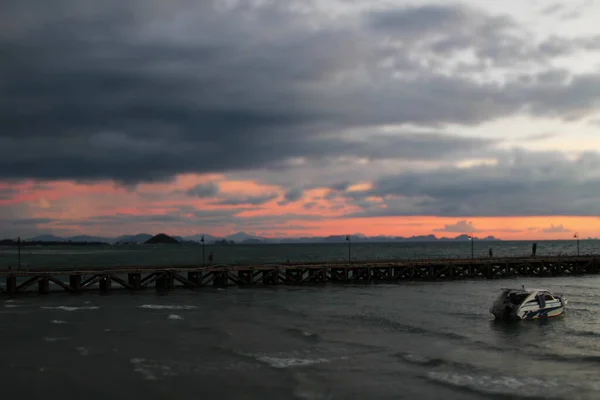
(411, 340)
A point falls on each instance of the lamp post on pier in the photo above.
(472, 239)
(203, 252)
(576, 236)
(349, 249)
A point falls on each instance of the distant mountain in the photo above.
(132, 239)
(207, 238)
(47, 238)
(162, 238)
(245, 238)
(241, 236)
(86, 238)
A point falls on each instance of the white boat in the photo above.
(516, 304)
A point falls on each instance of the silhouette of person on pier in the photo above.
(533, 249)
(491, 254)
(210, 257)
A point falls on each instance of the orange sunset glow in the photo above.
(67, 208)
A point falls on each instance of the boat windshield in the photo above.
(517, 298)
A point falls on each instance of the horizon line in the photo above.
(258, 237)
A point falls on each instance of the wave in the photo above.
(54, 339)
(515, 387)
(280, 362)
(539, 352)
(302, 333)
(57, 321)
(468, 315)
(571, 358)
(174, 316)
(579, 310)
(167, 307)
(582, 333)
(393, 325)
(428, 361)
(151, 370)
(68, 308)
(82, 351)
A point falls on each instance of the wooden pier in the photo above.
(47, 280)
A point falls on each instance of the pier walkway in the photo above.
(52, 280)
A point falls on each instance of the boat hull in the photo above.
(530, 314)
(543, 313)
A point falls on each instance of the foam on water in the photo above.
(422, 360)
(151, 370)
(167, 307)
(57, 321)
(82, 351)
(500, 385)
(54, 339)
(287, 361)
(69, 308)
(174, 316)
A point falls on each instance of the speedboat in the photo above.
(516, 304)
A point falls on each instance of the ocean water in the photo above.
(405, 341)
(169, 255)
(383, 341)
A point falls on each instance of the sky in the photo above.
(300, 117)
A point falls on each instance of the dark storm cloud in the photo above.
(522, 184)
(142, 90)
(443, 30)
(184, 216)
(246, 200)
(25, 221)
(209, 189)
(291, 196)
(8, 193)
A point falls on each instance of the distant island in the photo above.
(161, 238)
(237, 238)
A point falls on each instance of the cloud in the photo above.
(463, 226)
(539, 137)
(209, 189)
(26, 221)
(8, 193)
(552, 9)
(291, 196)
(247, 200)
(556, 229)
(138, 91)
(518, 183)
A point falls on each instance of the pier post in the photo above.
(75, 282)
(44, 285)
(104, 283)
(11, 284)
(269, 276)
(161, 282)
(195, 277)
(170, 280)
(134, 279)
(220, 278)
